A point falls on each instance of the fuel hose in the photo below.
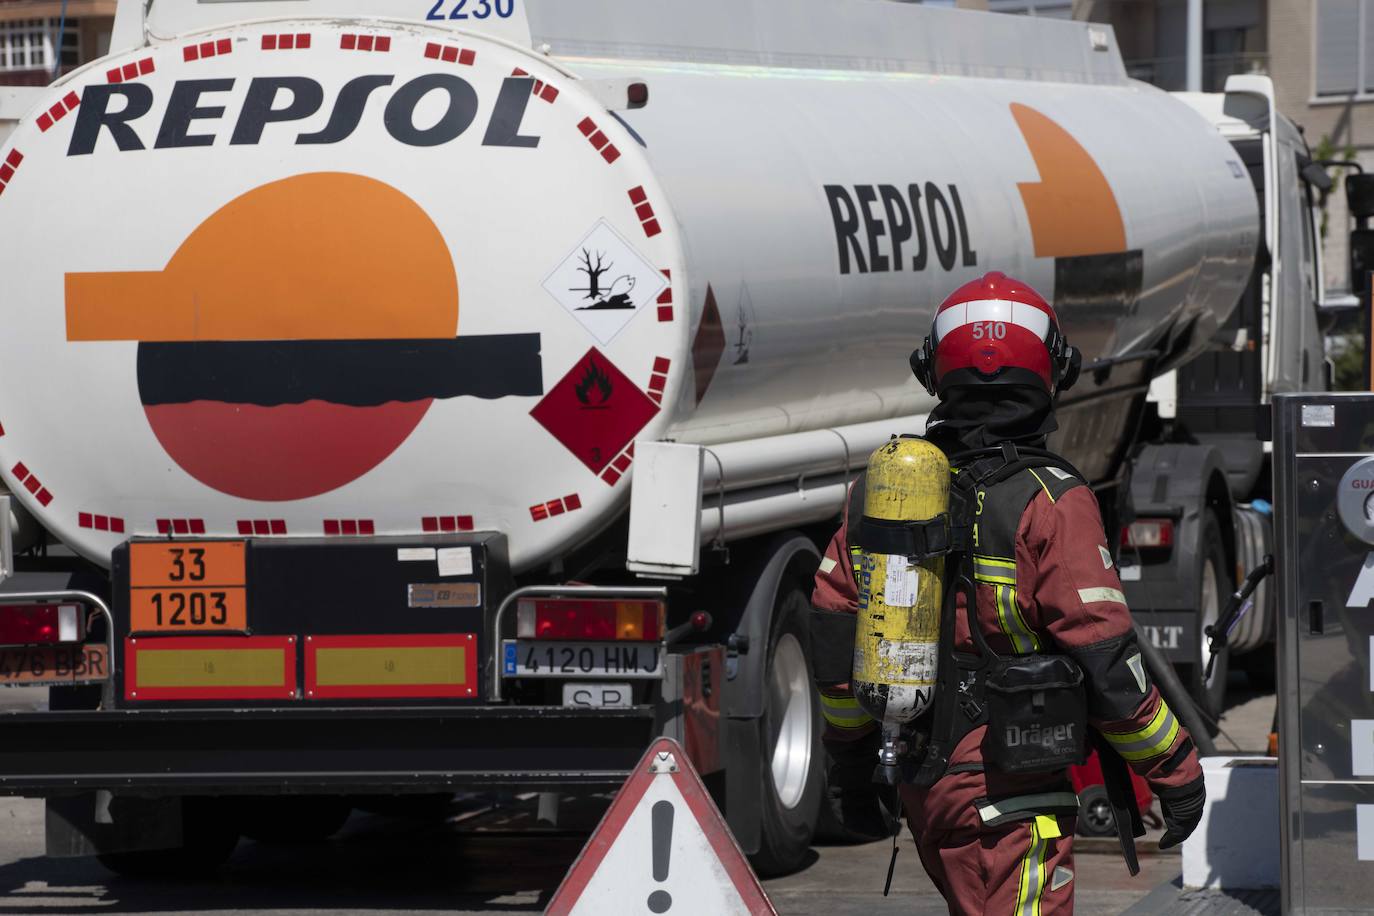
(1175, 695)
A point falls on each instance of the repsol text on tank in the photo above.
(193, 110)
(881, 228)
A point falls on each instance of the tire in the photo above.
(209, 834)
(288, 820)
(1095, 816)
(1214, 586)
(791, 767)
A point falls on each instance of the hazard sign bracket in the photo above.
(664, 762)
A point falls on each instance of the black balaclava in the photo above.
(983, 416)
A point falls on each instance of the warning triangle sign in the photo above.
(663, 847)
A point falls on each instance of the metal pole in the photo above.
(57, 49)
(1194, 48)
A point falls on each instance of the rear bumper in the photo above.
(365, 750)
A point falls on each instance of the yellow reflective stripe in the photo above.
(1152, 740)
(1042, 484)
(1047, 825)
(1012, 623)
(1032, 885)
(843, 712)
(994, 570)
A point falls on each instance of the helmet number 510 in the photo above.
(989, 330)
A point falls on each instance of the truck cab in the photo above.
(1200, 487)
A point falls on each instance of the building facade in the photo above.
(37, 41)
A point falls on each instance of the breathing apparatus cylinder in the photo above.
(896, 645)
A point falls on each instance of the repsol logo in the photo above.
(873, 223)
(195, 108)
(1049, 737)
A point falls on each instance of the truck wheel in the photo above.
(293, 819)
(1095, 815)
(209, 834)
(791, 765)
(1210, 693)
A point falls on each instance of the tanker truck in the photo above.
(456, 395)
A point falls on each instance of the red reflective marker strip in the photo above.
(142, 68)
(30, 483)
(349, 527)
(100, 522)
(10, 166)
(569, 503)
(181, 526)
(295, 41)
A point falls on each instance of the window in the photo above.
(30, 44)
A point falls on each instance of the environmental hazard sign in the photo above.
(663, 847)
(603, 282)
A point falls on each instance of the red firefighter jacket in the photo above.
(1058, 593)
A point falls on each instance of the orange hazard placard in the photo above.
(662, 847)
(188, 587)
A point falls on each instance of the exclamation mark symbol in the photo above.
(662, 814)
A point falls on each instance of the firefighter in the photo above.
(995, 841)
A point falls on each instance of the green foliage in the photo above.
(1325, 150)
(1348, 362)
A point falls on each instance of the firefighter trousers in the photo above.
(1023, 868)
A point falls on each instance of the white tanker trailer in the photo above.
(329, 343)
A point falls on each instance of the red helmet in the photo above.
(995, 330)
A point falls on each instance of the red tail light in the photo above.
(1148, 534)
(578, 618)
(38, 624)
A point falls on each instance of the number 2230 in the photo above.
(472, 9)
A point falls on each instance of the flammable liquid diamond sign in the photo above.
(594, 410)
(604, 282)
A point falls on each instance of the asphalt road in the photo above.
(479, 859)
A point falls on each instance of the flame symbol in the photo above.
(594, 377)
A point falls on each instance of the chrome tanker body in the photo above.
(362, 276)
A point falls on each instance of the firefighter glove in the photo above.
(1182, 808)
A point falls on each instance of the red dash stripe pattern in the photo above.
(29, 482)
(9, 167)
(58, 111)
(261, 527)
(645, 211)
(450, 54)
(351, 42)
(569, 503)
(349, 527)
(433, 524)
(204, 50)
(130, 71)
(180, 526)
(297, 41)
(100, 522)
(598, 140)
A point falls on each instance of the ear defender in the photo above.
(1070, 367)
(921, 366)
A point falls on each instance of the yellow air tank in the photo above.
(896, 646)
